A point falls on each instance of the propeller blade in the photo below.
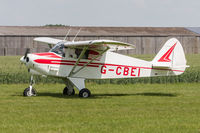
(26, 53)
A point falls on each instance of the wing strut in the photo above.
(84, 50)
(78, 60)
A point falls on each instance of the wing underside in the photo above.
(98, 45)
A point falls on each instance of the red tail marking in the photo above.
(165, 57)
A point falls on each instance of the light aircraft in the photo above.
(75, 61)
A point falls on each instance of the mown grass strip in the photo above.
(112, 108)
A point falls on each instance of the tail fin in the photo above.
(171, 57)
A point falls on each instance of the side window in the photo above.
(93, 54)
(75, 53)
(78, 52)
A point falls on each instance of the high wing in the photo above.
(100, 45)
(117, 47)
(96, 42)
(92, 44)
(47, 40)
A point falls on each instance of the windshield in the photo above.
(58, 49)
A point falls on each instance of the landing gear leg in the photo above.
(80, 85)
(69, 89)
(30, 91)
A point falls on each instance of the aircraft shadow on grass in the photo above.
(94, 96)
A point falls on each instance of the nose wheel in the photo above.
(30, 91)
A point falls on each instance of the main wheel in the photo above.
(68, 92)
(84, 93)
(27, 92)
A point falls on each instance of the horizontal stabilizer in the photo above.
(161, 67)
(179, 67)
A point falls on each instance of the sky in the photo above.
(142, 13)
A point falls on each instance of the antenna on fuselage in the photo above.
(65, 39)
(76, 35)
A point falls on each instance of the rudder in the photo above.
(171, 56)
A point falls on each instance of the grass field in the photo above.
(140, 108)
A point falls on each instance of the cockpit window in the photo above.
(58, 49)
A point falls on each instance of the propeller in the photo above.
(25, 58)
(26, 53)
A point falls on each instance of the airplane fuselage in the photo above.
(109, 65)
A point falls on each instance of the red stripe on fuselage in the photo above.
(48, 54)
(81, 63)
(60, 62)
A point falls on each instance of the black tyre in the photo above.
(68, 92)
(85, 93)
(27, 93)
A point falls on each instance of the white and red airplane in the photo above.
(75, 61)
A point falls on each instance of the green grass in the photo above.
(140, 108)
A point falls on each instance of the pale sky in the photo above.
(156, 13)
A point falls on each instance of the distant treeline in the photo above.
(56, 25)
